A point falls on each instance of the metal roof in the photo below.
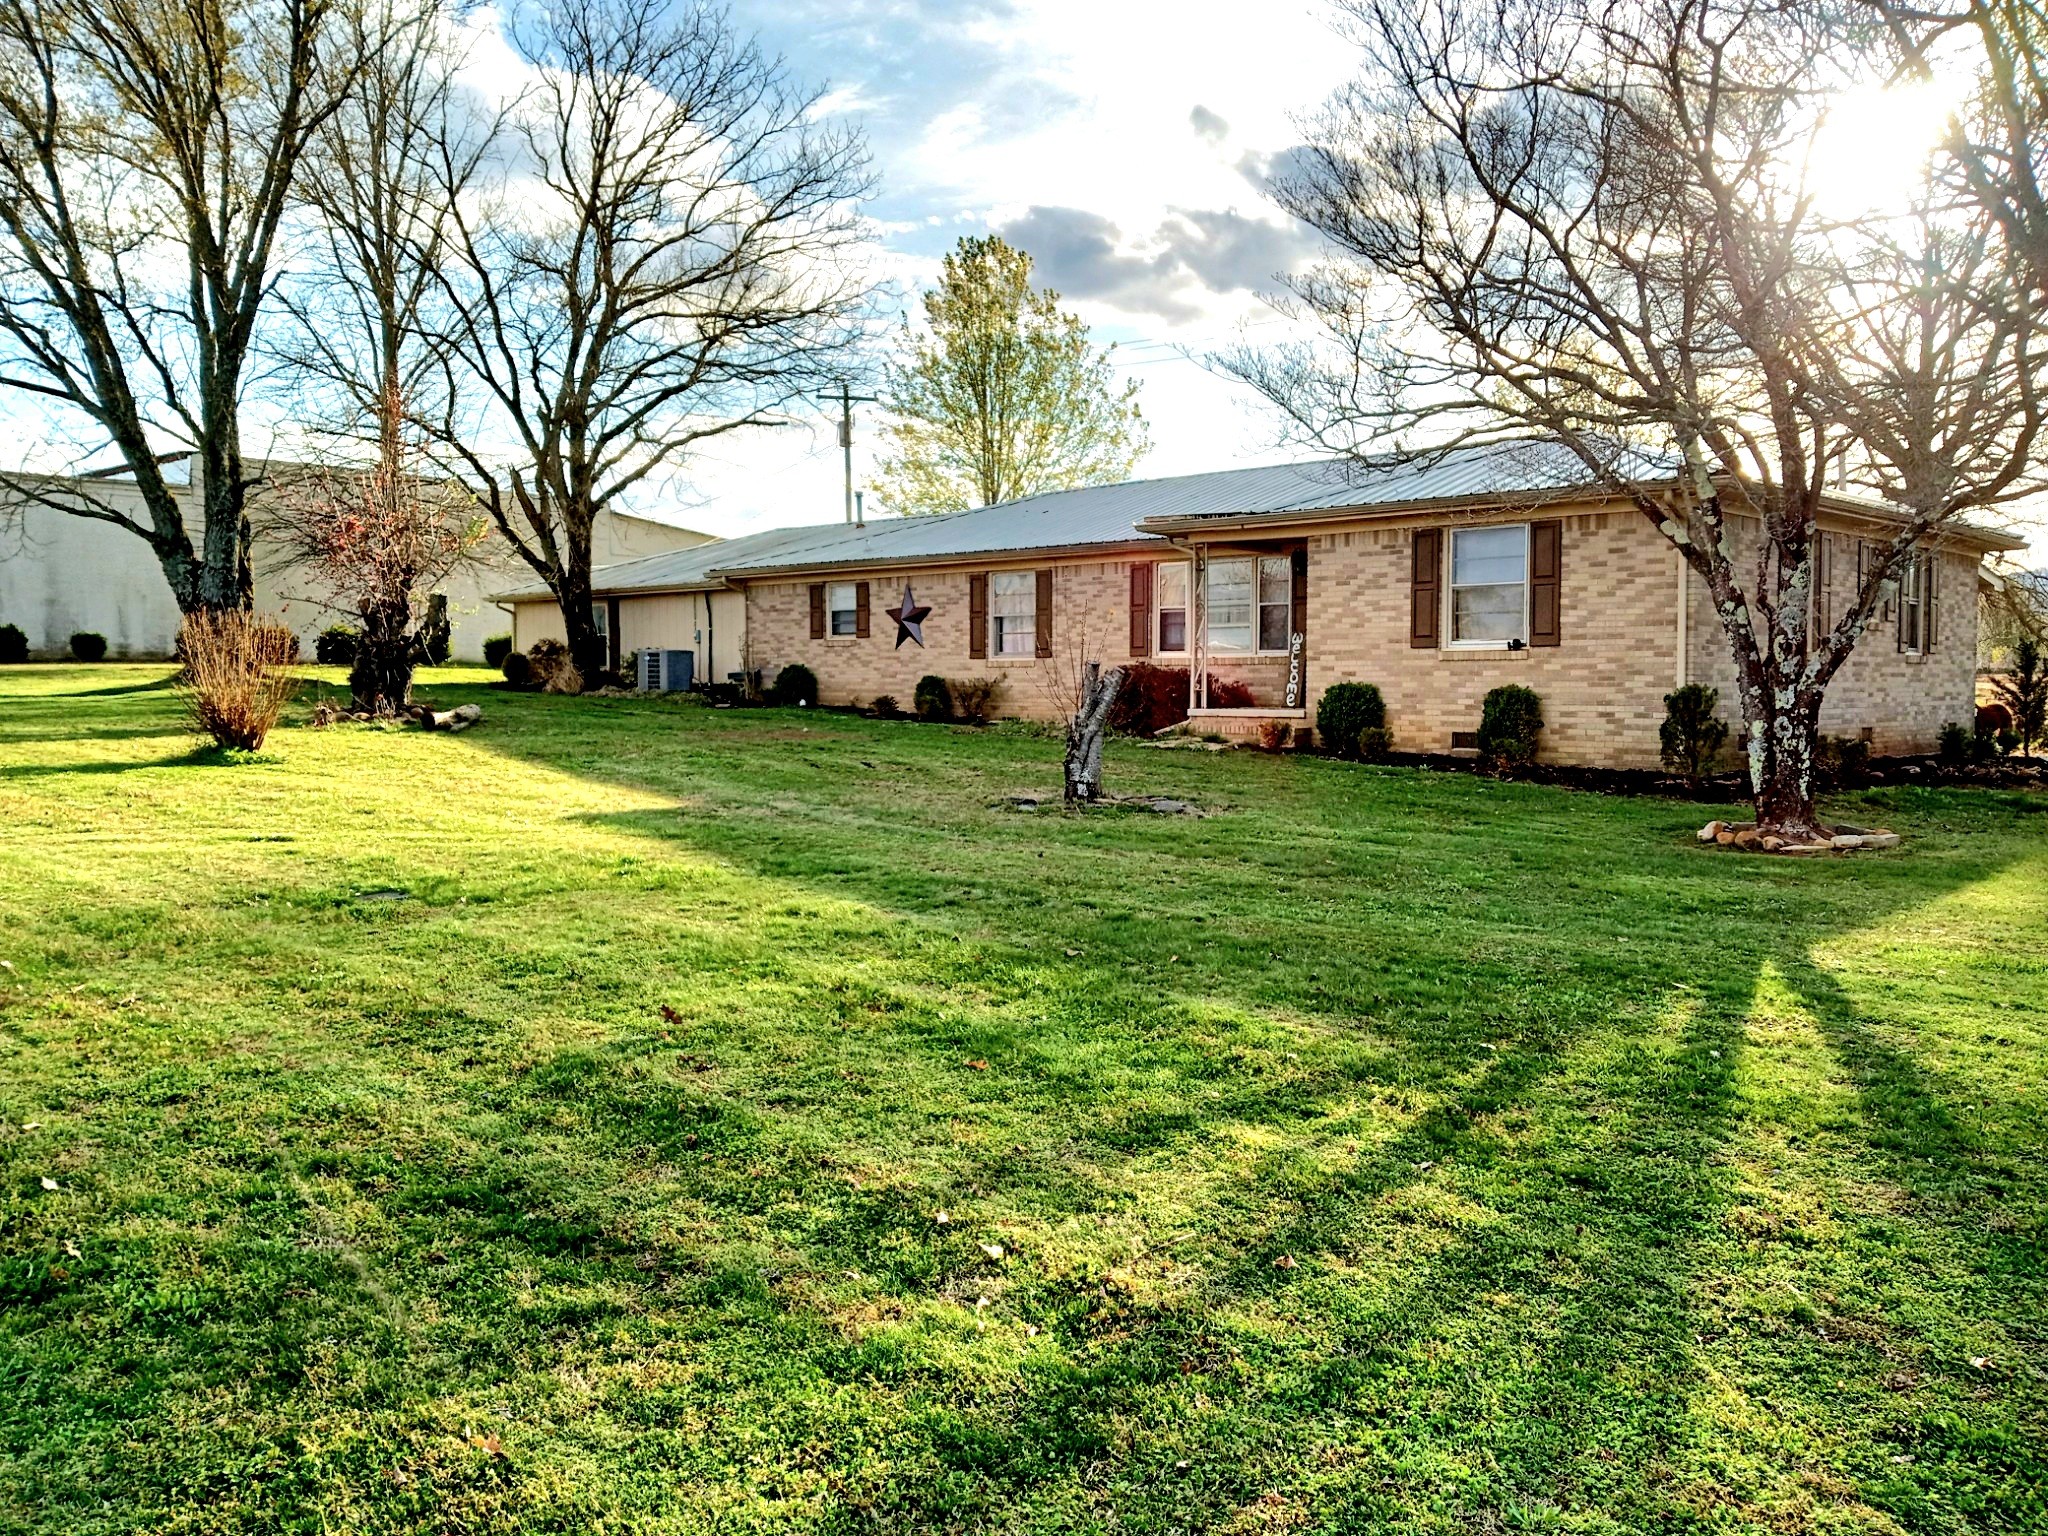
(1136, 512)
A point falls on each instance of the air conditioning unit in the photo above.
(667, 671)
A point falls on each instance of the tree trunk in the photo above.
(1784, 734)
(587, 648)
(1085, 731)
(380, 682)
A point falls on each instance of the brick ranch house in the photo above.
(1435, 580)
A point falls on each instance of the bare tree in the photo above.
(1997, 148)
(146, 155)
(671, 254)
(378, 540)
(1586, 222)
(365, 307)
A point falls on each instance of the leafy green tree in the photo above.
(2023, 690)
(1003, 395)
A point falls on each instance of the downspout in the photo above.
(1684, 603)
(1198, 622)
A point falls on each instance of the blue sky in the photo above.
(1121, 142)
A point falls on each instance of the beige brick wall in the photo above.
(1091, 619)
(1603, 688)
(1902, 700)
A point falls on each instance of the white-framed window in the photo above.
(1170, 604)
(1488, 596)
(1250, 604)
(1229, 605)
(1276, 602)
(1013, 613)
(842, 608)
(601, 617)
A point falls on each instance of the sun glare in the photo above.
(1872, 151)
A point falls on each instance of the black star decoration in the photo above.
(909, 619)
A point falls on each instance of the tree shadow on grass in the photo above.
(1478, 1092)
(198, 757)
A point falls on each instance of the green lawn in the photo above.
(546, 1129)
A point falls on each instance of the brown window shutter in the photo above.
(1141, 608)
(1425, 589)
(1930, 598)
(1298, 618)
(1546, 550)
(1042, 613)
(817, 610)
(977, 614)
(860, 610)
(1820, 581)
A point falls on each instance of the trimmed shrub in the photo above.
(233, 687)
(974, 697)
(1510, 719)
(1274, 735)
(1375, 744)
(1993, 718)
(496, 649)
(1692, 734)
(335, 646)
(1229, 693)
(885, 706)
(1953, 747)
(86, 645)
(1345, 711)
(517, 669)
(795, 686)
(13, 645)
(932, 700)
(1151, 699)
(1841, 762)
(554, 670)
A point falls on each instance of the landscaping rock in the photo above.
(1710, 832)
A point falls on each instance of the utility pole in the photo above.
(847, 400)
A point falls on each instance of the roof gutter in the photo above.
(1104, 550)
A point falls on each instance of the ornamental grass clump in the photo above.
(234, 686)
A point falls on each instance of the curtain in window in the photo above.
(1172, 601)
(1489, 573)
(1230, 605)
(1013, 609)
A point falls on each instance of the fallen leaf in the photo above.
(977, 1066)
(670, 1016)
(7, 965)
(490, 1445)
(1031, 1330)
(48, 1182)
(59, 1272)
(942, 1219)
(1424, 1167)
(993, 1250)
(32, 1125)
(71, 1250)
(1977, 1362)
(1285, 1261)
(1072, 952)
